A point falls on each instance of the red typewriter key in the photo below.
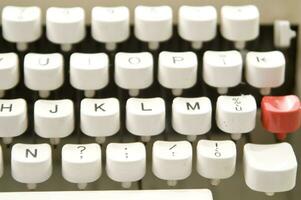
(281, 114)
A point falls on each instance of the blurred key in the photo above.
(153, 24)
(197, 24)
(65, 26)
(110, 25)
(21, 25)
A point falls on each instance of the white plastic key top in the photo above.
(236, 114)
(9, 72)
(270, 168)
(177, 71)
(100, 118)
(13, 118)
(43, 72)
(172, 161)
(145, 117)
(191, 116)
(126, 162)
(31, 163)
(89, 72)
(65, 26)
(134, 71)
(170, 194)
(110, 25)
(197, 24)
(222, 69)
(83, 158)
(265, 70)
(21, 25)
(153, 24)
(240, 24)
(54, 119)
(216, 160)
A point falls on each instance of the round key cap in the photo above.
(145, 117)
(65, 26)
(197, 24)
(222, 69)
(126, 162)
(54, 119)
(281, 114)
(172, 161)
(100, 118)
(134, 71)
(13, 118)
(265, 70)
(110, 25)
(216, 160)
(43, 72)
(236, 114)
(240, 24)
(21, 25)
(177, 71)
(9, 72)
(85, 158)
(89, 72)
(191, 116)
(153, 24)
(31, 163)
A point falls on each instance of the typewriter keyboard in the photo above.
(115, 109)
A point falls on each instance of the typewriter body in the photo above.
(150, 99)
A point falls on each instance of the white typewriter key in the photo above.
(240, 24)
(177, 71)
(236, 114)
(21, 25)
(283, 34)
(31, 163)
(65, 26)
(126, 162)
(89, 72)
(83, 158)
(54, 119)
(216, 160)
(100, 118)
(172, 161)
(265, 70)
(153, 24)
(110, 25)
(270, 168)
(9, 72)
(197, 24)
(222, 69)
(134, 71)
(43, 72)
(145, 117)
(191, 116)
(13, 118)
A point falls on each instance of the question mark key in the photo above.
(81, 163)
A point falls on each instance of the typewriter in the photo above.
(154, 100)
